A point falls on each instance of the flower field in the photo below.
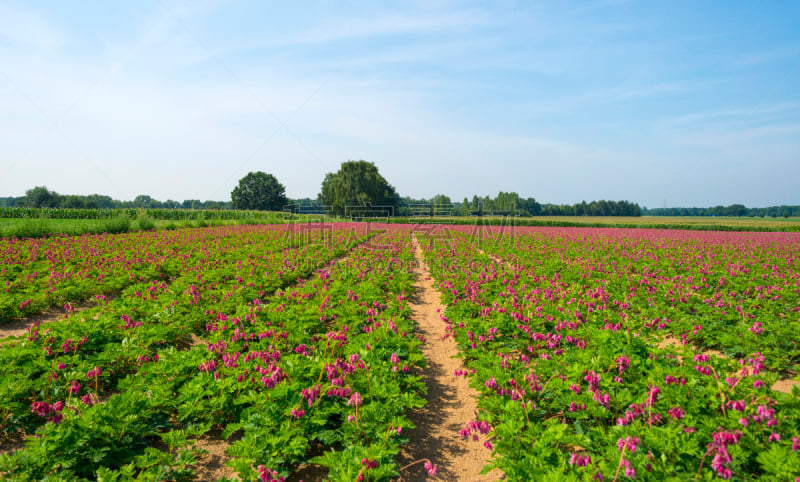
(610, 354)
(124, 389)
(598, 354)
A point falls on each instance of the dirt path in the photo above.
(20, 327)
(451, 401)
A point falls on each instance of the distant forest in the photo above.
(41, 197)
(502, 204)
(732, 210)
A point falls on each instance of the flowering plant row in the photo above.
(121, 391)
(40, 273)
(563, 330)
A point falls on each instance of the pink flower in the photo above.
(652, 395)
(268, 475)
(42, 409)
(738, 405)
(630, 442)
(594, 381)
(74, 387)
(355, 400)
(623, 362)
(629, 470)
(298, 412)
(676, 412)
(432, 469)
(580, 460)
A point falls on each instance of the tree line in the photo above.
(739, 210)
(358, 183)
(41, 197)
(355, 184)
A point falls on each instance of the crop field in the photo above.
(722, 221)
(270, 352)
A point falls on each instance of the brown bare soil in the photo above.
(211, 466)
(12, 443)
(783, 385)
(451, 401)
(498, 259)
(20, 327)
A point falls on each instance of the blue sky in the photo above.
(690, 103)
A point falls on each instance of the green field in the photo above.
(14, 227)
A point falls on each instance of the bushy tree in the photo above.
(259, 190)
(41, 197)
(357, 183)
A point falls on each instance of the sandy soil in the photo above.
(498, 259)
(211, 466)
(12, 443)
(783, 385)
(451, 402)
(20, 327)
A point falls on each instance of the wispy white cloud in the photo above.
(758, 58)
(444, 98)
(733, 120)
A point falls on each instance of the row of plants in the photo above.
(507, 221)
(561, 331)
(37, 274)
(212, 273)
(736, 293)
(22, 228)
(317, 371)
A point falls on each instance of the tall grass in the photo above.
(44, 228)
(145, 222)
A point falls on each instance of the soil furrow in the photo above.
(451, 401)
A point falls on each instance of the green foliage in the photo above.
(357, 183)
(259, 191)
(30, 228)
(41, 197)
(145, 222)
(265, 339)
(121, 224)
(560, 333)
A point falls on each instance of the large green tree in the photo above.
(357, 183)
(259, 190)
(41, 197)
